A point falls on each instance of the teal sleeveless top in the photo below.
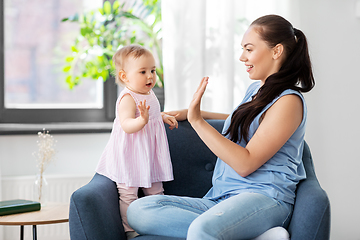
(278, 177)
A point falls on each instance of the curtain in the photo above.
(203, 38)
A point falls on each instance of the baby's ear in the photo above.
(122, 75)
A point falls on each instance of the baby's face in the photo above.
(140, 74)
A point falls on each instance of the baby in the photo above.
(137, 154)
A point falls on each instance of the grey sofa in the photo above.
(94, 208)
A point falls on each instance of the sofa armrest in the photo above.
(311, 216)
(94, 211)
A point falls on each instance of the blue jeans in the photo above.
(243, 216)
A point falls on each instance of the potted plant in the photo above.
(108, 28)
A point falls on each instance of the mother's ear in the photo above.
(278, 51)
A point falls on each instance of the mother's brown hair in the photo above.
(295, 72)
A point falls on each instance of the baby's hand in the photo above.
(171, 120)
(144, 111)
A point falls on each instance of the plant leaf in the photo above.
(107, 7)
(116, 5)
(69, 59)
(128, 15)
(86, 30)
(83, 31)
(69, 82)
(73, 18)
(74, 49)
(66, 68)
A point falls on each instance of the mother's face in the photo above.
(260, 60)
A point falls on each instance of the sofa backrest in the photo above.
(193, 162)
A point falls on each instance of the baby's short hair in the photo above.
(122, 55)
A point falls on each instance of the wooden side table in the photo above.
(49, 214)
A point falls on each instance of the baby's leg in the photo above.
(127, 196)
(155, 189)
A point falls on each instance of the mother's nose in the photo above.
(242, 57)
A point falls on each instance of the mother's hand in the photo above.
(194, 112)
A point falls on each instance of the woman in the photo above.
(259, 152)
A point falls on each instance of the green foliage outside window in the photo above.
(108, 28)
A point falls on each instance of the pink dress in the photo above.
(140, 158)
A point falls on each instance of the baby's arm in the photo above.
(127, 109)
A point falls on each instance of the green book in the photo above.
(18, 206)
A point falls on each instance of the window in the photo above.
(34, 42)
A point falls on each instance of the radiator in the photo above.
(60, 189)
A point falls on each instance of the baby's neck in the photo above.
(137, 91)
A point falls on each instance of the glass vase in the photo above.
(41, 189)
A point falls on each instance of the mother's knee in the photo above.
(141, 212)
(200, 228)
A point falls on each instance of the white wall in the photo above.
(77, 154)
(333, 33)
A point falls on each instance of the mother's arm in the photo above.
(181, 115)
(280, 122)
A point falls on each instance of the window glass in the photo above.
(35, 45)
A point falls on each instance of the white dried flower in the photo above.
(46, 151)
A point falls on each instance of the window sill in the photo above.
(66, 128)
